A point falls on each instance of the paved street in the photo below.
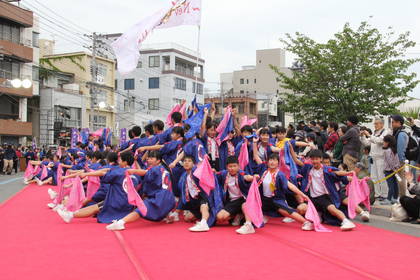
(11, 184)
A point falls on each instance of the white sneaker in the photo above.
(116, 225)
(172, 217)
(265, 219)
(51, 205)
(65, 215)
(247, 228)
(52, 193)
(308, 226)
(38, 181)
(59, 206)
(365, 216)
(200, 226)
(25, 181)
(288, 220)
(347, 225)
(237, 221)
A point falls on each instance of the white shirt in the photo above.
(317, 187)
(192, 188)
(213, 148)
(233, 189)
(262, 153)
(266, 185)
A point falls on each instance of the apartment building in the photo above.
(19, 57)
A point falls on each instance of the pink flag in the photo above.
(59, 152)
(312, 215)
(93, 185)
(60, 193)
(44, 173)
(77, 196)
(245, 121)
(358, 192)
(133, 196)
(243, 155)
(169, 117)
(205, 174)
(253, 205)
(283, 167)
(29, 172)
(223, 124)
(183, 110)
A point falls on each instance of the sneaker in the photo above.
(288, 220)
(51, 205)
(365, 216)
(265, 219)
(25, 181)
(347, 225)
(59, 206)
(386, 202)
(247, 228)
(237, 221)
(52, 193)
(308, 226)
(394, 201)
(65, 215)
(116, 225)
(38, 181)
(199, 227)
(172, 217)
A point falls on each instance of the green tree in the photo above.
(359, 72)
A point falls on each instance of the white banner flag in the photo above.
(127, 47)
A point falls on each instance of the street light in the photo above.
(18, 83)
(26, 83)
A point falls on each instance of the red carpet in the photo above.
(146, 250)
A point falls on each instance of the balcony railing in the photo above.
(9, 116)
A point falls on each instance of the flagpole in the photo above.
(197, 62)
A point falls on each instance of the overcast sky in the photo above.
(233, 29)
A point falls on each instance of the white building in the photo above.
(259, 81)
(166, 74)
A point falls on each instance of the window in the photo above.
(102, 70)
(139, 64)
(35, 39)
(68, 116)
(98, 121)
(241, 91)
(180, 84)
(116, 84)
(197, 88)
(253, 108)
(101, 96)
(9, 70)
(35, 73)
(153, 82)
(255, 81)
(126, 105)
(239, 106)
(128, 84)
(154, 61)
(241, 81)
(9, 31)
(154, 104)
(247, 81)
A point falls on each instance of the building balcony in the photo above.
(23, 92)
(16, 14)
(15, 128)
(183, 74)
(17, 51)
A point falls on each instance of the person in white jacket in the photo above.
(375, 142)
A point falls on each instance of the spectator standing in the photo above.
(402, 138)
(9, 155)
(351, 143)
(332, 137)
(375, 141)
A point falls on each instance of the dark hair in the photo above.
(178, 130)
(353, 119)
(232, 159)
(264, 131)
(392, 143)
(323, 125)
(155, 154)
(149, 128)
(315, 154)
(112, 157)
(89, 154)
(158, 124)
(136, 131)
(333, 125)
(313, 123)
(127, 157)
(189, 157)
(343, 129)
(367, 148)
(130, 133)
(98, 155)
(280, 129)
(311, 136)
(247, 128)
(210, 124)
(176, 117)
(274, 156)
(326, 156)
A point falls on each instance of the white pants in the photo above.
(377, 172)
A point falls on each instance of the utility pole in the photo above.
(94, 73)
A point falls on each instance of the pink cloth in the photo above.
(59, 152)
(60, 193)
(243, 156)
(77, 196)
(169, 117)
(44, 173)
(245, 121)
(358, 192)
(312, 215)
(183, 110)
(205, 174)
(222, 126)
(29, 172)
(133, 196)
(283, 167)
(93, 185)
(253, 205)
(97, 133)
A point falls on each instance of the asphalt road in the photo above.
(11, 184)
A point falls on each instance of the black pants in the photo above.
(411, 205)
